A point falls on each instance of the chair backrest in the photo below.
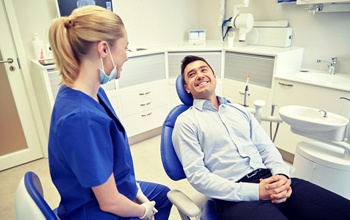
(171, 163)
(30, 202)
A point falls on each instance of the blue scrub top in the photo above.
(87, 143)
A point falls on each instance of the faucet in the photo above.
(324, 113)
(331, 65)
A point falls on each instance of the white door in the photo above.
(19, 131)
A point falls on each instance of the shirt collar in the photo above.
(200, 104)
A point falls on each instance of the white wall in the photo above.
(323, 35)
(147, 22)
(151, 22)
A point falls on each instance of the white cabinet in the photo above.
(261, 71)
(294, 93)
(143, 107)
(143, 93)
(234, 91)
(323, 165)
(46, 82)
(304, 2)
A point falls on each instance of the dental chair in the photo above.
(199, 206)
(29, 202)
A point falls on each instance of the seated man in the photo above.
(227, 156)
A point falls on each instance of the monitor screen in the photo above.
(65, 7)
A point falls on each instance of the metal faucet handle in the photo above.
(334, 60)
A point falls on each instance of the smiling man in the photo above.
(227, 156)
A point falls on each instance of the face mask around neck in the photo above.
(104, 78)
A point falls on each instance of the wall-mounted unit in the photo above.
(308, 2)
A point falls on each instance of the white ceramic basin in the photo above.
(322, 77)
(311, 119)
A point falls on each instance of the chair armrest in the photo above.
(183, 203)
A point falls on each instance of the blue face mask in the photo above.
(104, 78)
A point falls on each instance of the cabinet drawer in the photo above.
(145, 105)
(145, 121)
(143, 93)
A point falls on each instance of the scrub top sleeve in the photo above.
(87, 146)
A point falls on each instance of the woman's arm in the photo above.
(110, 200)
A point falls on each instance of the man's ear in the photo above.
(187, 89)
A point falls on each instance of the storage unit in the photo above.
(323, 165)
(143, 93)
(295, 93)
(237, 68)
(46, 81)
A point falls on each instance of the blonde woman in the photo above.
(89, 156)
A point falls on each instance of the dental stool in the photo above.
(29, 202)
(187, 208)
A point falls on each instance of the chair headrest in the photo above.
(185, 97)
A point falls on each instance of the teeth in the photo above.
(202, 83)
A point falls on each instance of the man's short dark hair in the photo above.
(189, 59)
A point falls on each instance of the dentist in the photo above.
(89, 154)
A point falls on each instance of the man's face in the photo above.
(200, 80)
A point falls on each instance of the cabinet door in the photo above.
(175, 58)
(234, 91)
(260, 68)
(293, 93)
(142, 69)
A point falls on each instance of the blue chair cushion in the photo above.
(184, 96)
(34, 188)
(171, 163)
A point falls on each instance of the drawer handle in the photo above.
(285, 84)
(345, 98)
(242, 93)
(145, 115)
(145, 93)
(144, 104)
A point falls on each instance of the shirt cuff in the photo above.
(249, 191)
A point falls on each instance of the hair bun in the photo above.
(68, 23)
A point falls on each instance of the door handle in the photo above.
(9, 60)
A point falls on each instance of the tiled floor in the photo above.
(148, 167)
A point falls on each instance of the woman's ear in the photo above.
(102, 48)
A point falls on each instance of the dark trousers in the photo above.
(158, 193)
(308, 201)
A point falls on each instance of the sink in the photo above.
(311, 119)
(323, 77)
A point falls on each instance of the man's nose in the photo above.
(200, 75)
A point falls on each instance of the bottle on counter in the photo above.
(38, 47)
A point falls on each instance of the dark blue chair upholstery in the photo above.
(171, 163)
(30, 202)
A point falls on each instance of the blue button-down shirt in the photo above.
(219, 147)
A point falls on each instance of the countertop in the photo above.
(337, 81)
(210, 46)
